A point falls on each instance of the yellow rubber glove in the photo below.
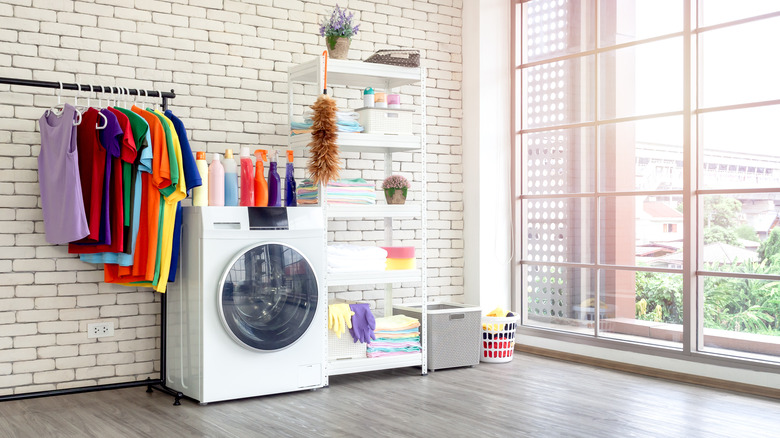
(332, 318)
(339, 318)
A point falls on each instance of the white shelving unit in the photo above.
(385, 78)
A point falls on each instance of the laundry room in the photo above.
(206, 204)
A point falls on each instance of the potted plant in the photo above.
(395, 188)
(338, 32)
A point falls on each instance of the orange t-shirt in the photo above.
(159, 182)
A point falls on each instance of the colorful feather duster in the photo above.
(324, 163)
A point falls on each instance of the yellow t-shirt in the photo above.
(169, 221)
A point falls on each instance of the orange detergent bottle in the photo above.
(261, 186)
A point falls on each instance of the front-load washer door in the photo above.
(268, 296)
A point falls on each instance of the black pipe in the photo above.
(76, 390)
(165, 95)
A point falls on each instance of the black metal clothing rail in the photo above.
(92, 88)
(158, 384)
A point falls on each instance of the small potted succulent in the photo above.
(338, 31)
(395, 188)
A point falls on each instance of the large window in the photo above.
(647, 171)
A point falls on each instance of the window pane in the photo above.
(643, 79)
(722, 11)
(736, 66)
(741, 316)
(622, 21)
(556, 297)
(559, 161)
(741, 148)
(653, 145)
(641, 306)
(558, 93)
(739, 232)
(641, 231)
(559, 230)
(557, 27)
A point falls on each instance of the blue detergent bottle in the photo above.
(231, 179)
(290, 199)
(274, 183)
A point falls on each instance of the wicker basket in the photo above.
(402, 57)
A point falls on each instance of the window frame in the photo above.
(692, 194)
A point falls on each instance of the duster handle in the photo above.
(325, 78)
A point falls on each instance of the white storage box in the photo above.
(344, 347)
(385, 120)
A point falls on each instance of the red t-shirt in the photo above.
(92, 162)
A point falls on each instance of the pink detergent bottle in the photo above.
(216, 182)
(247, 179)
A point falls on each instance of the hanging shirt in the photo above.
(128, 155)
(92, 168)
(62, 200)
(118, 151)
(159, 182)
(111, 210)
(192, 177)
(173, 200)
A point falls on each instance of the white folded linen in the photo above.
(343, 250)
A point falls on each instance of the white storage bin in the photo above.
(385, 120)
(344, 347)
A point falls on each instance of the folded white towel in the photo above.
(354, 268)
(346, 262)
(356, 251)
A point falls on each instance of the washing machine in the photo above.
(247, 314)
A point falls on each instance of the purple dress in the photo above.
(58, 177)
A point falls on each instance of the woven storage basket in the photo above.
(402, 58)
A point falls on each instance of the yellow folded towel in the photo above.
(399, 264)
(395, 322)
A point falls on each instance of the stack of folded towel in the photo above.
(346, 121)
(395, 335)
(343, 191)
(355, 258)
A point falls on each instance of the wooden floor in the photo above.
(531, 396)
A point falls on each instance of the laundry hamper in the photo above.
(498, 339)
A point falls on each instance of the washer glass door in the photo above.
(268, 297)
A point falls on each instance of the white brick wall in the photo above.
(227, 61)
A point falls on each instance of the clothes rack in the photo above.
(150, 383)
(164, 95)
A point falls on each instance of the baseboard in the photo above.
(653, 372)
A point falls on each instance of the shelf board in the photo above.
(359, 142)
(378, 211)
(363, 364)
(356, 73)
(352, 278)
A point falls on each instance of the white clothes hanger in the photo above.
(57, 109)
(105, 119)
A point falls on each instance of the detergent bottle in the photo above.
(247, 180)
(261, 187)
(274, 183)
(200, 194)
(290, 199)
(231, 179)
(216, 182)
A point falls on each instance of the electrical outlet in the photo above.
(100, 330)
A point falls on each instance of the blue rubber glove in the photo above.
(363, 323)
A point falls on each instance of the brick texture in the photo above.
(227, 62)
